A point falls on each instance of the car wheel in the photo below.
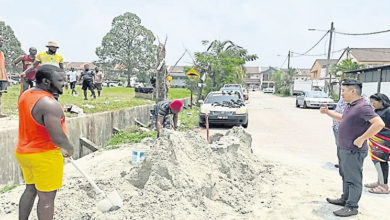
(304, 105)
(246, 124)
(296, 104)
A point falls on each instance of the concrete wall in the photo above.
(96, 127)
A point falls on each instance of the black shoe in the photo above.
(339, 202)
(336, 165)
(345, 212)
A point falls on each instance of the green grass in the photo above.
(8, 188)
(112, 99)
(189, 119)
(131, 135)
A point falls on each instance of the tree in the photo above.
(345, 66)
(130, 44)
(11, 47)
(222, 62)
(284, 81)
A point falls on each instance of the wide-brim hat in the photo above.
(52, 44)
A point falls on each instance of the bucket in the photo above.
(138, 156)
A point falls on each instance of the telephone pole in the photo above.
(288, 61)
(328, 60)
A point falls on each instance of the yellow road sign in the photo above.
(192, 74)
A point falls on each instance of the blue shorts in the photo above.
(3, 85)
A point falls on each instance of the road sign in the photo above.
(192, 74)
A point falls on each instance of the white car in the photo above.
(269, 90)
(314, 99)
(225, 108)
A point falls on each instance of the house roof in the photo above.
(369, 54)
(252, 70)
(176, 69)
(323, 62)
(303, 72)
(369, 69)
(78, 65)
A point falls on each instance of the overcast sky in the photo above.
(266, 28)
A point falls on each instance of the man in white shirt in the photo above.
(72, 79)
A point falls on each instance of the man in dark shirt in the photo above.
(162, 112)
(87, 76)
(358, 123)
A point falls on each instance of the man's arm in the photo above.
(377, 125)
(16, 61)
(337, 116)
(159, 123)
(35, 64)
(52, 117)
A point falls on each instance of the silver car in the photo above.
(314, 99)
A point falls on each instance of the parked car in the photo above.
(269, 90)
(233, 88)
(314, 99)
(224, 108)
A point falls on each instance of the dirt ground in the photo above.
(9, 122)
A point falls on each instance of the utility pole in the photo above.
(288, 61)
(328, 61)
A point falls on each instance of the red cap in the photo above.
(176, 106)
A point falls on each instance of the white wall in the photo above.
(370, 88)
(385, 88)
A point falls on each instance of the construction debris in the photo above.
(182, 177)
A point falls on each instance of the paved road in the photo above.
(282, 131)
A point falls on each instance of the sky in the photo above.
(266, 28)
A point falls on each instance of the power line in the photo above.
(284, 62)
(316, 55)
(357, 34)
(315, 44)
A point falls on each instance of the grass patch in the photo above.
(8, 188)
(189, 119)
(133, 135)
(111, 99)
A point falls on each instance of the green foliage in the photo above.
(11, 47)
(189, 119)
(133, 135)
(345, 66)
(8, 188)
(178, 93)
(111, 99)
(222, 62)
(284, 81)
(130, 44)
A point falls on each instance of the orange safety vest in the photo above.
(33, 137)
(3, 74)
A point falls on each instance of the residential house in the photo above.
(266, 73)
(318, 70)
(370, 57)
(78, 66)
(302, 74)
(178, 76)
(253, 77)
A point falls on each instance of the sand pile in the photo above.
(182, 177)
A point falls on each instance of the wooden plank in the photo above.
(89, 144)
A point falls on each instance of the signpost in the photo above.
(192, 74)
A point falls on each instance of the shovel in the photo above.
(110, 202)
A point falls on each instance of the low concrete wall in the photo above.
(96, 127)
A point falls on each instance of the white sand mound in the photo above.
(182, 177)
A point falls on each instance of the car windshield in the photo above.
(316, 95)
(220, 98)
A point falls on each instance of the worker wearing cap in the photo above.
(162, 112)
(49, 57)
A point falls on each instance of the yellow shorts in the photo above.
(45, 169)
